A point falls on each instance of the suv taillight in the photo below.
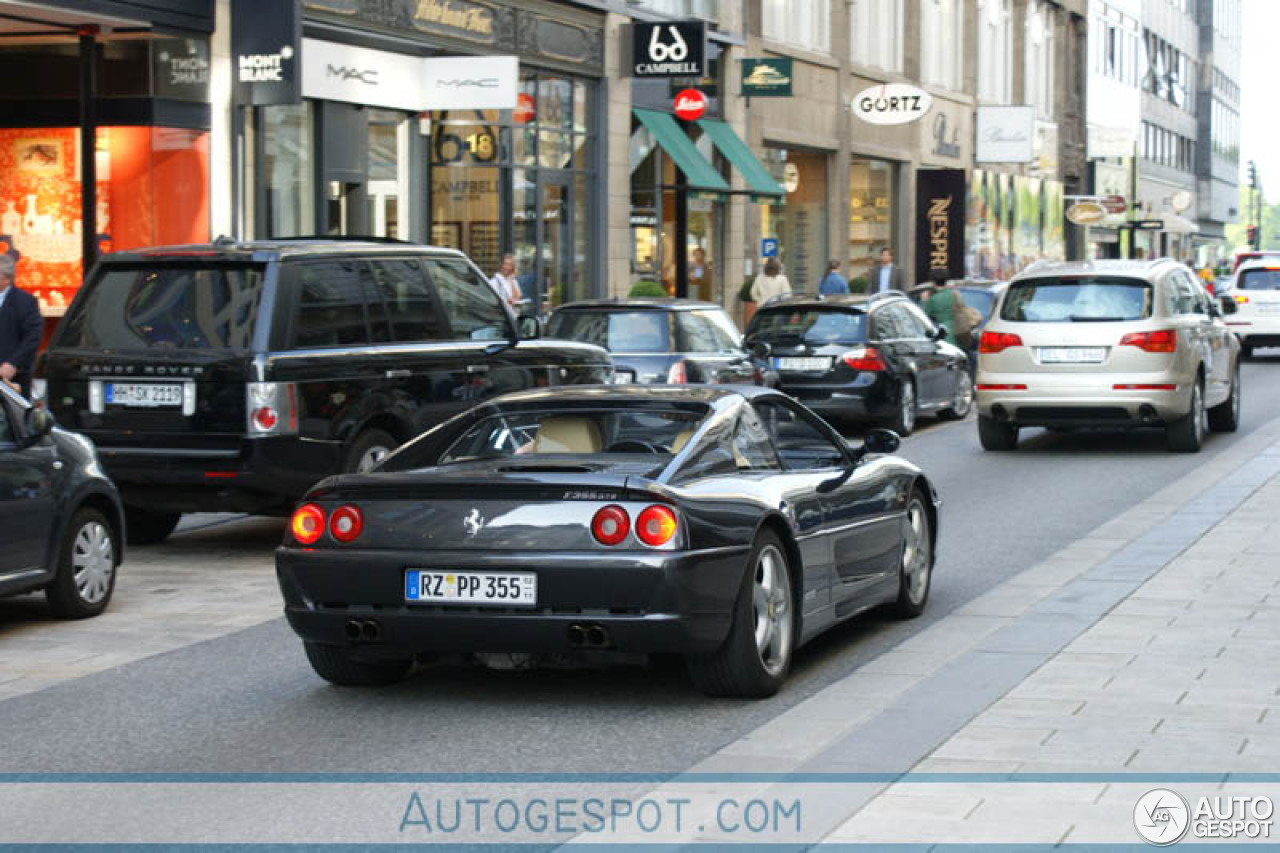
(993, 342)
(272, 408)
(1165, 340)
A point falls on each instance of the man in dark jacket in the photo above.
(20, 329)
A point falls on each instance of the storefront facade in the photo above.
(379, 147)
(104, 136)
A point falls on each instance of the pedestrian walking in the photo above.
(769, 283)
(20, 329)
(504, 281)
(833, 283)
(947, 309)
(887, 276)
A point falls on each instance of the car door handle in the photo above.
(398, 374)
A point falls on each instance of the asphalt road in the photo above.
(248, 702)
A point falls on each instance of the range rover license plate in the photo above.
(149, 395)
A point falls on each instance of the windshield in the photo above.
(1076, 300)
(166, 307)
(979, 299)
(582, 432)
(1265, 279)
(706, 331)
(816, 326)
(616, 331)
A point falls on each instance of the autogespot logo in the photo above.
(1161, 817)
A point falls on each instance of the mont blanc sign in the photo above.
(891, 103)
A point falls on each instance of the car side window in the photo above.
(918, 325)
(800, 443)
(752, 447)
(705, 331)
(885, 325)
(412, 307)
(472, 308)
(1184, 295)
(331, 306)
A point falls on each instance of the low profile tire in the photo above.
(903, 420)
(915, 568)
(962, 402)
(336, 665)
(996, 435)
(86, 567)
(1225, 417)
(144, 527)
(369, 448)
(1186, 434)
(754, 659)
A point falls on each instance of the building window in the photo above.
(704, 9)
(805, 25)
(995, 46)
(941, 43)
(876, 33)
(799, 225)
(1040, 59)
(1168, 73)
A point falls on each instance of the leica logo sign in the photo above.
(691, 104)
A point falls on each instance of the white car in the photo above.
(1116, 344)
(1255, 289)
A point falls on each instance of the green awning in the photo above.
(737, 153)
(698, 173)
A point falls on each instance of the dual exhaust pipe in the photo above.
(589, 635)
(363, 631)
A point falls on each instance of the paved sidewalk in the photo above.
(213, 577)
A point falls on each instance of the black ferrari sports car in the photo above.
(727, 524)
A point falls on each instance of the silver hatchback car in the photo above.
(1114, 344)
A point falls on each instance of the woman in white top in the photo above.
(769, 283)
(504, 281)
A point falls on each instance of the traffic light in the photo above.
(1251, 234)
(1253, 175)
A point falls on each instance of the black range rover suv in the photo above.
(230, 377)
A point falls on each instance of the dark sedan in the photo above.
(876, 358)
(665, 341)
(728, 525)
(61, 522)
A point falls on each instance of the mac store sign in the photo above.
(357, 75)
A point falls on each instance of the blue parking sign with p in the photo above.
(769, 247)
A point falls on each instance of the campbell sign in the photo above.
(892, 103)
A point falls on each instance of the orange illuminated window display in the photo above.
(152, 189)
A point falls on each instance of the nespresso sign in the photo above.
(357, 75)
(940, 203)
(265, 40)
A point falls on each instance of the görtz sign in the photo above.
(891, 103)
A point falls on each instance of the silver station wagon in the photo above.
(1111, 344)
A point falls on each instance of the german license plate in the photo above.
(1072, 355)
(507, 589)
(143, 394)
(806, 363)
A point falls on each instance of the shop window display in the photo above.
(152, 189)
(870, 217)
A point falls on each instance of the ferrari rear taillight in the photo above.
(1165, 340)
(678, 374)
(610, 525)
(864, 358)
(656, 525)
(993, 342)
(272, 408)
(346, 523)
(307, 524)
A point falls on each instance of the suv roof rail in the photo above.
(338, 238)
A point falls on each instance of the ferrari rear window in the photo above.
(1092, 299)
(584, 432)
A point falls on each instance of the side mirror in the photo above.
(881, 441)
(1227, 304)
(37, 425)
(529, 327)
(938, 333)
(761, 350)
